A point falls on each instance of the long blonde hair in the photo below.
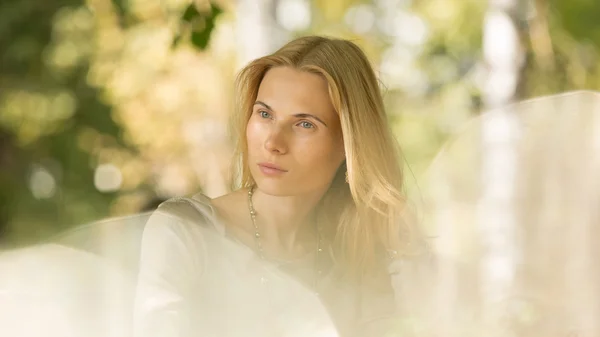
(366, 217)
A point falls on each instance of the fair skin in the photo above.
(295, 128)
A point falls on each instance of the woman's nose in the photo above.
(276, 141)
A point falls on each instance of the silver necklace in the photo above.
(259, 247)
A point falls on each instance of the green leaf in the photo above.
(190, 13)
(199, 24)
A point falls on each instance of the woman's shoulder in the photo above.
(200, 210)
(189, 213)
(186, 207)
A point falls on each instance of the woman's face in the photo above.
(295, 143)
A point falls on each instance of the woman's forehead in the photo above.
(284, 88)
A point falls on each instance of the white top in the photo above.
(195, 280)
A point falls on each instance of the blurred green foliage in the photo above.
(199, 25)
(26, 32)
(579, 18)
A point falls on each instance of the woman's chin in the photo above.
(276, 187)
(286, 188)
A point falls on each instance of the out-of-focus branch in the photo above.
(539, 33)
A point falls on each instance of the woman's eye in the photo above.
(306, 125)
(264, 114)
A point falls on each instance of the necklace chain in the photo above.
(259, 246)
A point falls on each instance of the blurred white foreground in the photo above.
(514, 204)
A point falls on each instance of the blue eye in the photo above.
(264, 114)
(306, 125)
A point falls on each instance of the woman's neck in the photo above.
(286, 222)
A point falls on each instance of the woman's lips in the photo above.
(269, 169)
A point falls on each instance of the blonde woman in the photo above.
(305, 243)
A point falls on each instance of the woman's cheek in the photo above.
(253, 130)
(317, 149)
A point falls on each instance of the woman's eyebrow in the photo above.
(263, 104)
(305, 115)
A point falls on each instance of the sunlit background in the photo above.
(109, 106)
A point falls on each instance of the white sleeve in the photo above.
(171, 260)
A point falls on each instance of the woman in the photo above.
(307, 238)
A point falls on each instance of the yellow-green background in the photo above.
(108, 82)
